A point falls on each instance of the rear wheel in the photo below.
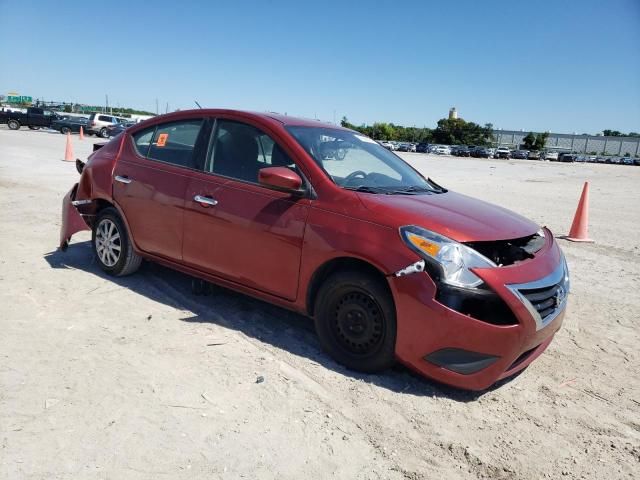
(356, 321)
(13, 124)
(104, 133)
(112, 246)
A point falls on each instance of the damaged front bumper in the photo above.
(448, 337)
(72, 220)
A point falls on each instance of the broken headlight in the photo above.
(452, 259)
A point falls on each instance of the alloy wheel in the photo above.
(108, 242)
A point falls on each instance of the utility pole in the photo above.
(106, 103)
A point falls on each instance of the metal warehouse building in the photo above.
(590, 144)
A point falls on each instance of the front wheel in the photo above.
(65, 130)
(112, 246)
(356, 321)
(13, 124)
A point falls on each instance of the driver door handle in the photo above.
(205, 201)
(121, 179)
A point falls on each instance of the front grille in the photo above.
(545, 300)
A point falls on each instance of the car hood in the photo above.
(451, 214)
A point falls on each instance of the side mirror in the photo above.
(280, 178)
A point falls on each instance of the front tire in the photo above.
(356, 321)
(112, 245)
(65, 130)
(13, 124)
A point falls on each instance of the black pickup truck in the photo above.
(34, 118)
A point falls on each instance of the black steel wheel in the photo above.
(355, 320)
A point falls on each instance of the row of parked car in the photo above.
(100, 124)
(506, 153)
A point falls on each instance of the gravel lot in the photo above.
(137, 378)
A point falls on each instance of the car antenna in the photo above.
(198, 104)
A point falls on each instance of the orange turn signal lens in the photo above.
(423, 244)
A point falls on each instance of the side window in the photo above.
(142, 140)
(103, 118)
(174, 142)
(239, 151)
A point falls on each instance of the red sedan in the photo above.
(324, 221)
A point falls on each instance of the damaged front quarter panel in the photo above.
(72, 220)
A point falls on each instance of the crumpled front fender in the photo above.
(72, 221)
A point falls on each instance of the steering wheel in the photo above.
(354, 175)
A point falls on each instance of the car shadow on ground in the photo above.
(256, 319)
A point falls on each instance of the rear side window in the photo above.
(142, 140)
(174, 142)
(104, 118)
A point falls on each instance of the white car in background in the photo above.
(552, 156)
(443, 150)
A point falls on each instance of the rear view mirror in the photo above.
(280, 178)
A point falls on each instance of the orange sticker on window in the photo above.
(162, 139)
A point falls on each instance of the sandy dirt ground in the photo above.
(138, 378)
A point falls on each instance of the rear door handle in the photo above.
(122, 179)
(205, 201)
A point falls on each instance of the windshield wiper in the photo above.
(366, 189)
(414, 189)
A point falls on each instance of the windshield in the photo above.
(356, 162)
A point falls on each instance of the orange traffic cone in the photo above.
(580, 226)
(68, 153)
(81, 133)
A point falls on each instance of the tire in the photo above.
(65, 130)
(13, 124)
(356, 321)
(117, 263)
(104, 133)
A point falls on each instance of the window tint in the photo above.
(142, 140)
(174, 142)
(239, 151)
(104, 118)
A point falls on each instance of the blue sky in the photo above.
(565, 66)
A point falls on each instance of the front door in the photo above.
(236, 228)
(150, 181)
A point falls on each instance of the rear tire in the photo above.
(112, 245)
(104, 133)
(356, 321)
(13, 124)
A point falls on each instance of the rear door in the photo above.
(234, 227)
(150, 181)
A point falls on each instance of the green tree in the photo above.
(541, 141)
(451, 131)
(611, 133)
(529, 142)
(67, 108)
